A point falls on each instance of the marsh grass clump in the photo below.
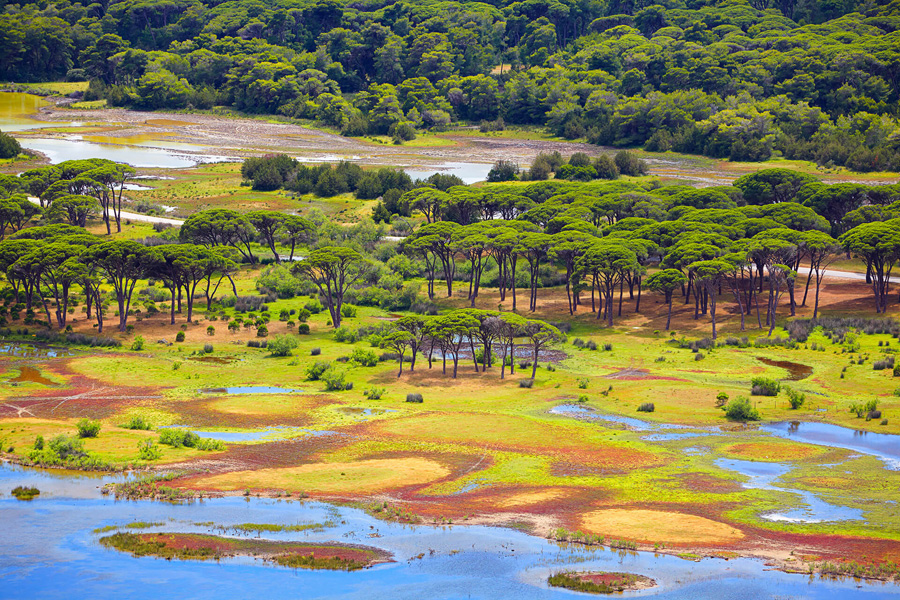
(595, 583)
(148, 451)
(885, 363)
(647, 407)
(578, 343)
(25, 493)
(414, 398)
(88, 428)
(763, 386)
(311, 561)
(526, 383)
(583, 383)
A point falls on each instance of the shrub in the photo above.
(416, 398)
(345, 335)
(39, 443)
(314, 307)
(363, 358)
(762, 386)
(282, 345)
(314, 371)
(137, 422)
(874, 414)
(885, 363)
(647, 407)
(795, 398)
(607, 347)
(348, 311)
(181, 437)
(147, 450)
(138, 343)
(179, 337)
(592, 345)
(374, 393)
(740, 409)
(578, 343)
(526, 383)
(88, 428)
(315, 352)
(210, 330)
(583, 383)
(262, 331)
(303, 329)
(335, 380)
(721, 399)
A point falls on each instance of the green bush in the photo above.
(181, 437)
(314, 371)
(526, 383)
(282, 345)
(363, 358)
(148, 451)
(374, 393)
(414, 398)
(210, 330)
(335, 380)
(179, 337)
(348, 311)
(763, 386)
(647, 407)
(721, 399)
(740, 409)
(138, 343)
(262, 331)
(137, 422)
(303, 329)
(795, 398)
(88, 428)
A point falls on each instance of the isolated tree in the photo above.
(666, 282)
(296, 230)
(333, 269)
(399, 341)
(269, 224)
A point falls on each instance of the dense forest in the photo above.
(810, 79)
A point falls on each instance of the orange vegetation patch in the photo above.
(773, 451)
(524, 499)
(651, 526)
(337, 478)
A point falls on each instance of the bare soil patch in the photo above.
(659, 526)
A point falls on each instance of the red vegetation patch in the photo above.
(701, 482)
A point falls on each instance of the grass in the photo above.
(25, 493)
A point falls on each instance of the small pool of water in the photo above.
(468, 172)
(251, 389)
(267, 434)
(796, 371)
(883, 445)
(587, 413)
(16, 110)
(671, 437)
(814, 510)
(49, 543)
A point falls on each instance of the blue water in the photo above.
(48, 550)
(267, 433)
(762, 476)
(468, 172)
(30, 351)
(59, 150)
(883, 445)
(251, 389)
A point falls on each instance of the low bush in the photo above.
(335, 380)
(88, 428)
(721, 399)
(740, 409)
(179, 337)
(137, 422)
(208, 348)
(315, 352)
(282, 345)
(363, 357)
(138, 343)
(795, 398)
(373, 393)
(348, 311)
(647, 407)
(303, 329)
(181, 437)
(148, 451)
(314, 371)
(526, 383)
(415, 398)
(583, 383)
(762, 386)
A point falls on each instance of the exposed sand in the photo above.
(659, 526)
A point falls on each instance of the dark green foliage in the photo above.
(647, 407)
(181, 437)
(740, 409)
(314, 371)
(503, 170)
(9, 146)
(526, 383)
(25, 493)
(414, 398)
(795, 398)
(88, 428)
(762, 386)
(137, 422)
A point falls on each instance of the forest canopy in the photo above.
(810, 79)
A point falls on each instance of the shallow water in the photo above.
(268, 434)
(763, 476)
(584, 412)
(16, 110)
(250, 389)
(59, 150)
(883, 445)
(468, 172)
(30, 351)
(48, 544)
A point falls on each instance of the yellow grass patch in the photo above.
(658, 526)
(367, 476)
(530, 498)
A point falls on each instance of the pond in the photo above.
(468, 172)
(16, 110)
(883, 445)
(250, 389)
(49, 544)
(73, 148)
(256, 435)
(31, 351)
